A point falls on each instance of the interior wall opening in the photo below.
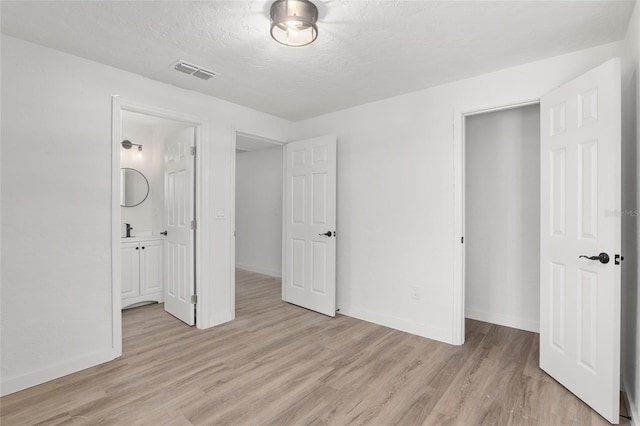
(157, 201)
(258, 207)
(502, 217)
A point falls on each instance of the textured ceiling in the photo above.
(365, 51)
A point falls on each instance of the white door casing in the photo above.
(179, 216)
(580, 193)
(309, 257)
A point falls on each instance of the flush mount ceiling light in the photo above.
(293, 22)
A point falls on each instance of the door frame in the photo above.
(118, 105)
(459, 167)
(232, 214)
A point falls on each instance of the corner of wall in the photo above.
(43, 375)
(219, 318)
(423, 330)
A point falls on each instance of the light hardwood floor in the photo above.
(279, 364)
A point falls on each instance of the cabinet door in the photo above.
(150, 267)
(130, 270)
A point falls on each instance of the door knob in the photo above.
(602, 257)
(327, 234)
(164, 233)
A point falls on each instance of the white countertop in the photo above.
(138, 238)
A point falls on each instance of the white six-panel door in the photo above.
(179, 242)
(580, 205)
(309, 246)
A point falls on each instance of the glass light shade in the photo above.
(293, 22)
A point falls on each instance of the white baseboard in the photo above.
(259, 270)
(633, 408)
(505, 320)
(15, 384)
(398, 324)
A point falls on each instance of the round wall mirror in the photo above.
(134, 187)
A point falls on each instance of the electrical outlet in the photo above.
(415, 292)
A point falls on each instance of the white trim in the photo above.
(116, 284)
(56, 371)
(237, 133)
(283, 268)
(232, 225)
(501, 107)
(200, 131)
(259, 270)
(458, 227)
(459, 115)
(505, 320)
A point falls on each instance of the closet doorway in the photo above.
(258, 207)
(502, 217)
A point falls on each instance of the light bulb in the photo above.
(295, 25)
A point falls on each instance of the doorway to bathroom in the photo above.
(157, 200)
(154, 212)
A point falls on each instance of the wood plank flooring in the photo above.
(279, 364)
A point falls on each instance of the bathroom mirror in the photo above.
(134, 187)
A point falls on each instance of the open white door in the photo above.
(179, 214)
(580, 205)
(309, 246)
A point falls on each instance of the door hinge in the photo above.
(193, 150)
(194, 224)
(194, 299)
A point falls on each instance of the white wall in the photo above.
(259, 211)
(140, 216)
(395, 198)
(56, 308)
(395, 190)
(630, 195)
(502, 217)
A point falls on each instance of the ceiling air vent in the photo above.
(203, 74)
(184, 67)
(194, 70)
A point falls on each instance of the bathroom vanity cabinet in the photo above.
(142, 271)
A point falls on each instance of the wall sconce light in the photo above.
(127, 144)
